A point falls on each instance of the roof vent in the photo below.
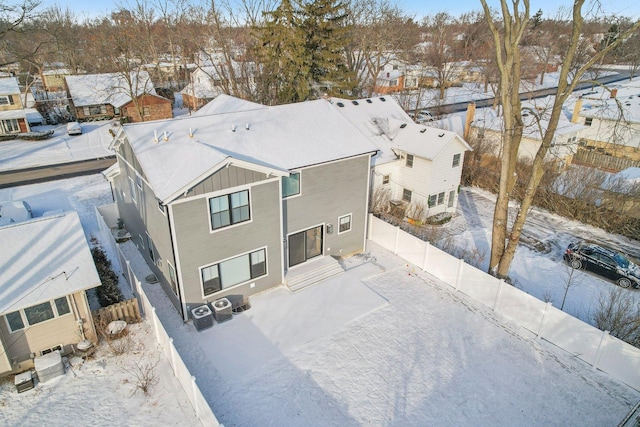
(382, 99)
(247, 127)
(155, 137)
(166, 138)
(354, 102)
(233, 128)
(339, 104)
(369, 101)
(402, 126)
(190, 133)
(441, 135)
(423, 130)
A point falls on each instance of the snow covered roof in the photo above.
(224, 103)
(599, 103)
(13, 114)
(57, 72)
(200, 90)
(390, 128)
(110, 88)
(9, 86)
(44, 259)
(271, 139)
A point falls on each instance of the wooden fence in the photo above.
(602, 161)
(128, 311)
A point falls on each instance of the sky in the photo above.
(417, 8)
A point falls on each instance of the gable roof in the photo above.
(391, 129)
(43, 259)
(271, 139)
(9, 86)
(224, 103)
(108, 88)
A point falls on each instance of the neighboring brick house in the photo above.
(101, 96)
(389, 82)
(417, 167)
(234, 203)
(153, 107)
(13, 117)
(45, 268)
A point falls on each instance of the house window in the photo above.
(291, 185)
(39, 313)
(406, 195)
(432, 200)
(588, 121)
(385, 179)
(233, 271)
(441, 198)
(393, 82)
(132, 189)
(15, 321)
(409, 161)
(146, 111)
(344, 223)
(62, 306)
(229, 209)
(456, 160)
(10, 126)
(139, 181)
(6, 100)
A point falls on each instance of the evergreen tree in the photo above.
(301, 51)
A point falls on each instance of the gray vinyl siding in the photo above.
(229, 177)
(145, 217)
(125, 151)
(329, 191)
(198, 247)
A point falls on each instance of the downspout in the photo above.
(178, 266)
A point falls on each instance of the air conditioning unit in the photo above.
(222, 309)
(202, 317)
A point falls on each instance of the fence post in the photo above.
(459, 276)
(172, 350)
(596, 362)
(495, 303)
(395, 245)
(370, 228)
(155, 323)
(426, 256)
(544, 314)
(195, 395)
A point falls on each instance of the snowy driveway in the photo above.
(398, 349)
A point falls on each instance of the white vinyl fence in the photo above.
(597, 348)
(180, 370)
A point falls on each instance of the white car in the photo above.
(74, 128)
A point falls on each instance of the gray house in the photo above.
(234, 203)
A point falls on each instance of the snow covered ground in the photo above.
(377, 345)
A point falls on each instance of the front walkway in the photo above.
(385, 345)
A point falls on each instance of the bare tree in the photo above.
(618, 314)
(437, 51)
(507, 35)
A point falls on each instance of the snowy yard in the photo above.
(378, 345)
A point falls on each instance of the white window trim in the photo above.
(406, 160)
(141, 241)
(454, 164)
(350, 215)
(266, 274)
(293, 196)
(388, 176)
(27, 325)
(227, 192)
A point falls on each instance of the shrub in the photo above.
(109, 292)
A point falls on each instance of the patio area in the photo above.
(382, 344)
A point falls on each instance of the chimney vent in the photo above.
(614, 92)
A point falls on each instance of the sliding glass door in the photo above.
(305, 245)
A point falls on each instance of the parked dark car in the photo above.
(604, 262)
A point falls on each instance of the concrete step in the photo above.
(311, 274)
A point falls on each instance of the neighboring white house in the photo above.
(604, 128)
(490, 128)
(13, 116)
(208, 82)
(416, 164)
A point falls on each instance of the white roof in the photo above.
(598, 102)
(390, 128)
(9, 86)
(278, 139)
(112, 88)
(13, 114)
(227, 104)
(44, 259)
